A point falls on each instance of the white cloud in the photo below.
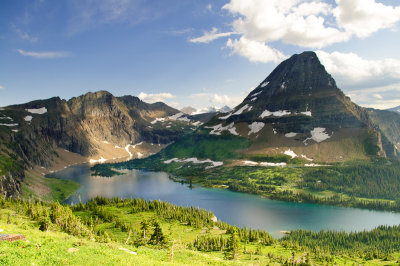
(1, 87)
(364, 17)
(218, 100)
(43, 55)
(155, 97)
(209, 7)
(255, 51)
(381, 97)
(349, 68)
(302, 23)
(210, 36)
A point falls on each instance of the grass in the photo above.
(55, 247)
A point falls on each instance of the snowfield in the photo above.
(255, 98)
(195, 161)
(264, 84)
(255, 127)
(38, 111)
(9, 125)
(218, 129)
(240, 111)
(28, 118)
(290, 135)
(101, 160)
(225, 117)
(307, 113)
(276, 113)
(318, 134)
(290, 153)
(266, 164)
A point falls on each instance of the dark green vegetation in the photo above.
(108, 231)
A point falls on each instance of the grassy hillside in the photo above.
(115, 232)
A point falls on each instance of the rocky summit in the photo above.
(47, 135)
(299, 110)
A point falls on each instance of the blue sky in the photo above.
(198, 53)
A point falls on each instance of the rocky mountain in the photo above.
(93, 127)
(299, 111)
(395, 109)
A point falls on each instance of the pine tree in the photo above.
(144, 226)
(157, 237)
(234, 243)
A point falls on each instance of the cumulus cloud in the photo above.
(364, 17)
(155, 97)
(304, 23)
(351, 68)
(255, 51)
(210, 36)
(43, 55)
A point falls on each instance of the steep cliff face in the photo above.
(298, 110)
(96, 125)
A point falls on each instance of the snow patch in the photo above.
(276, 113)
(255, 127)
(264, 84)
(225, 117)
(272, 164)
(307, 113)
(106, 142)
(290, 153)
(197, 123)
(255, 98)
(274, 130)
(176, 116)
(6, 117)
(38, 111)
(9, 125)
(218, 129)
(139, 154)
(117, 147)
(101, 160)
(195, 161)
(128, 151)
(250, 163)
(161, 119)
(313, 165)
(283, 86)
(255, 94)
(290, 135)
(28, 118)
(14, 130)
(305, 157)
(240, 111)
(318, 134)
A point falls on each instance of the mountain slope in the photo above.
(50, 134)
(299, 111)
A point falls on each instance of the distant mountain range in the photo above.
(47, 135)
(395, 109)
(297, 111)
(192, 111)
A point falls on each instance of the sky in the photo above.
(193, 52)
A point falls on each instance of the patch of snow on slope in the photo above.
(264, 84)
(255, 94)
(195, 161)
(176, 116)
(305, 157)
(218, 129)
(225, 117)
(250, 163)
(139, 154)
(307, 113)
(240, 111)
(128, 151)
(28, 118)
(106, 142)
(184, 118)
(283, 86)
(276, 113)
(197, 123)
(101, 160)
(313, 165)
(255, 127)
(290, 153)
(157, 120)
(274, 130)
(6, 117)
(290, 135)
(117, 147)
(9, 125)
(137, 144)
(14, 130)
(272, 164)
(318, 134)
(255, 98)
(38, 111)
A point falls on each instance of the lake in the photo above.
(235, 208)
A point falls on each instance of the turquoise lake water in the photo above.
(235, 208)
